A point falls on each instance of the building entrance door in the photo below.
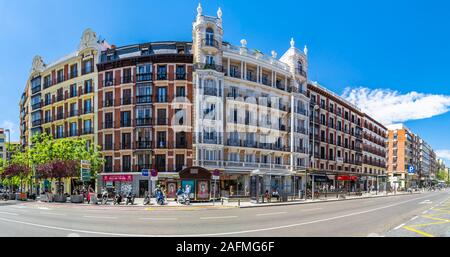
(143, 187)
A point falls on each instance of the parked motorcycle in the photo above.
(147, 199)
(104, 196)
(130, 198)
(118, 199)
(184, 199)
(160, 198)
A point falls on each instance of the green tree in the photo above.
(58, 159)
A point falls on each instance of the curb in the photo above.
(325, 201)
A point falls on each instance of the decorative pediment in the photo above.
(88, 39)
(37, 65)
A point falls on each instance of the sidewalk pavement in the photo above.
(234, 204)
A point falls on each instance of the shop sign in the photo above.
(118, 178)
(347, 178)
(320, 178)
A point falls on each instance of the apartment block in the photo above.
(144, 116)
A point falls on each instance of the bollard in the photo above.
(239, 202)
(222, 201)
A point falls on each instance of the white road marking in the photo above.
(315, 209)
(273, 213)
(52, 213)
(43, 208)
(414, 217)
(426, 202)
(425, 212)
(73, 235)
(99, 217)
(399, 226)
(211, 234)
(373, 235)
(158, 218)
(9, 213)
(222, 217)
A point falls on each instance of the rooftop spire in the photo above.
(199, 9)
(305, 50)
(292, 43)
(219, 13)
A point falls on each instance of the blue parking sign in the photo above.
(145, 172)
(411, 169)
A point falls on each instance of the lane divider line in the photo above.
(269, 214)
(223, 217)
(9, 213)
(158, 218)
(99, 217)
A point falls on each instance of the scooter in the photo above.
(117, 199)
(160, 198)
(184, 199)
(104, 196)
(147, 199)
(130, 198)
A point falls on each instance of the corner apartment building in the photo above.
(145, 97)
(337, 139)
(250, 112)
(59, 97)
(403, 153)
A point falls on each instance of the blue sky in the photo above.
(380, 51)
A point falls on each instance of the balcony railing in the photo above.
(210, 91)
(161, 76)
(161, 144)
(85, 71)
(161, 98)
(109, 82)
(127, 79)
(87, 111)
(59, 116)
(73, 133)
(162, 121)
(181, 144)
(144, 77)
(59, 98)
(125, 123)
(210, 42)
(108, 124)
(108, 103)
(180, 76)
(144, 99)
(143, 144)
(73, 113)
(87, 131)
(36, 123)
(34, 90)
(109, 146)
(143, 121)
(208, 66)
(125, 146)
(126, 101)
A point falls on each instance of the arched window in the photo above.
(209, 37)
(299, 67)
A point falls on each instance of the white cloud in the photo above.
(14, 129)
(388, 106)
(443, 154)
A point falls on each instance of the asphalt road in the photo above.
(362, 218)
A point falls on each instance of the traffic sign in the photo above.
(85, 175)
(145, 172)
(411, 169)
(154, 173)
